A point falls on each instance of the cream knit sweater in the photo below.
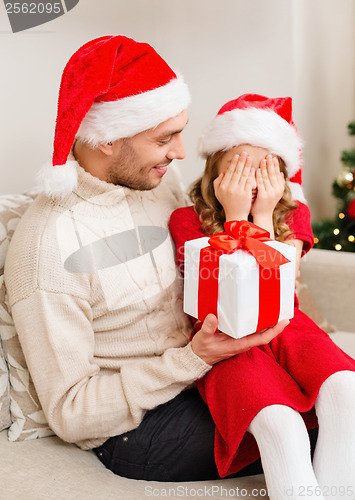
(96, 299)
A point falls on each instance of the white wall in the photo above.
(223, 48)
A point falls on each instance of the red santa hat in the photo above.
(259, 121)
(112, 87)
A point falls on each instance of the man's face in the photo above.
(140, 162)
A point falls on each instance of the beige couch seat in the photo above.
(330, 277)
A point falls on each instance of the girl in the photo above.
(263, 400)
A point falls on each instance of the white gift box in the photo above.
(238, 287)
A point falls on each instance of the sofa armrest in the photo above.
(330, 276)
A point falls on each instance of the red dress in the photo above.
(288, 371)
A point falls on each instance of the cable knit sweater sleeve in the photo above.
(80, 400)
(104, 339)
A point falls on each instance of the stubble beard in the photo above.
(126, 170)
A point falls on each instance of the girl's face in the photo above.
(257, 154)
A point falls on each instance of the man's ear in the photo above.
(107, 149)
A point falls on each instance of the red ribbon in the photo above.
(242, 234)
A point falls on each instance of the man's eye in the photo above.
(165, 141)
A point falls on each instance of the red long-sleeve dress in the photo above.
(288, 371)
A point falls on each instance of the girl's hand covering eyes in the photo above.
(271, 185)
(233, 189)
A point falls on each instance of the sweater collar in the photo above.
(96, 191)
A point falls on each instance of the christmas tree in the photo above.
(339, 233)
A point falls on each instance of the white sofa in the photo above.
(49, 469)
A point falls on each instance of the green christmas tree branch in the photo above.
(339, 233)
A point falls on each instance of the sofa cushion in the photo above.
(5, 419)
(27, 418)
(309, 306)
(330, 276)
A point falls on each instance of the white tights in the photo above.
(285, 449)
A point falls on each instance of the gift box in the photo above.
(241, 276)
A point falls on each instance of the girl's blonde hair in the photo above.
(211, 212)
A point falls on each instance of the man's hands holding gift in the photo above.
(213, 346)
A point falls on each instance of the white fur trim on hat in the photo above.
(59, 181)
(297, 192)
(257, 127)
(108, 121)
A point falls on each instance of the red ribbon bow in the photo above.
(244, 234)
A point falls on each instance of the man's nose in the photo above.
(177, 149)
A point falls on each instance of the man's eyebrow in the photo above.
(172, 132)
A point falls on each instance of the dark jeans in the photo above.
(174, 442)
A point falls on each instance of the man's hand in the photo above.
(213, 346)
(233, 189)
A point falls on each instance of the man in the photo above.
(94, 290)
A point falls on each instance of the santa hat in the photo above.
(259, 121)
(112, 87)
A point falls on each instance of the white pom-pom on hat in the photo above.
(58, 181)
